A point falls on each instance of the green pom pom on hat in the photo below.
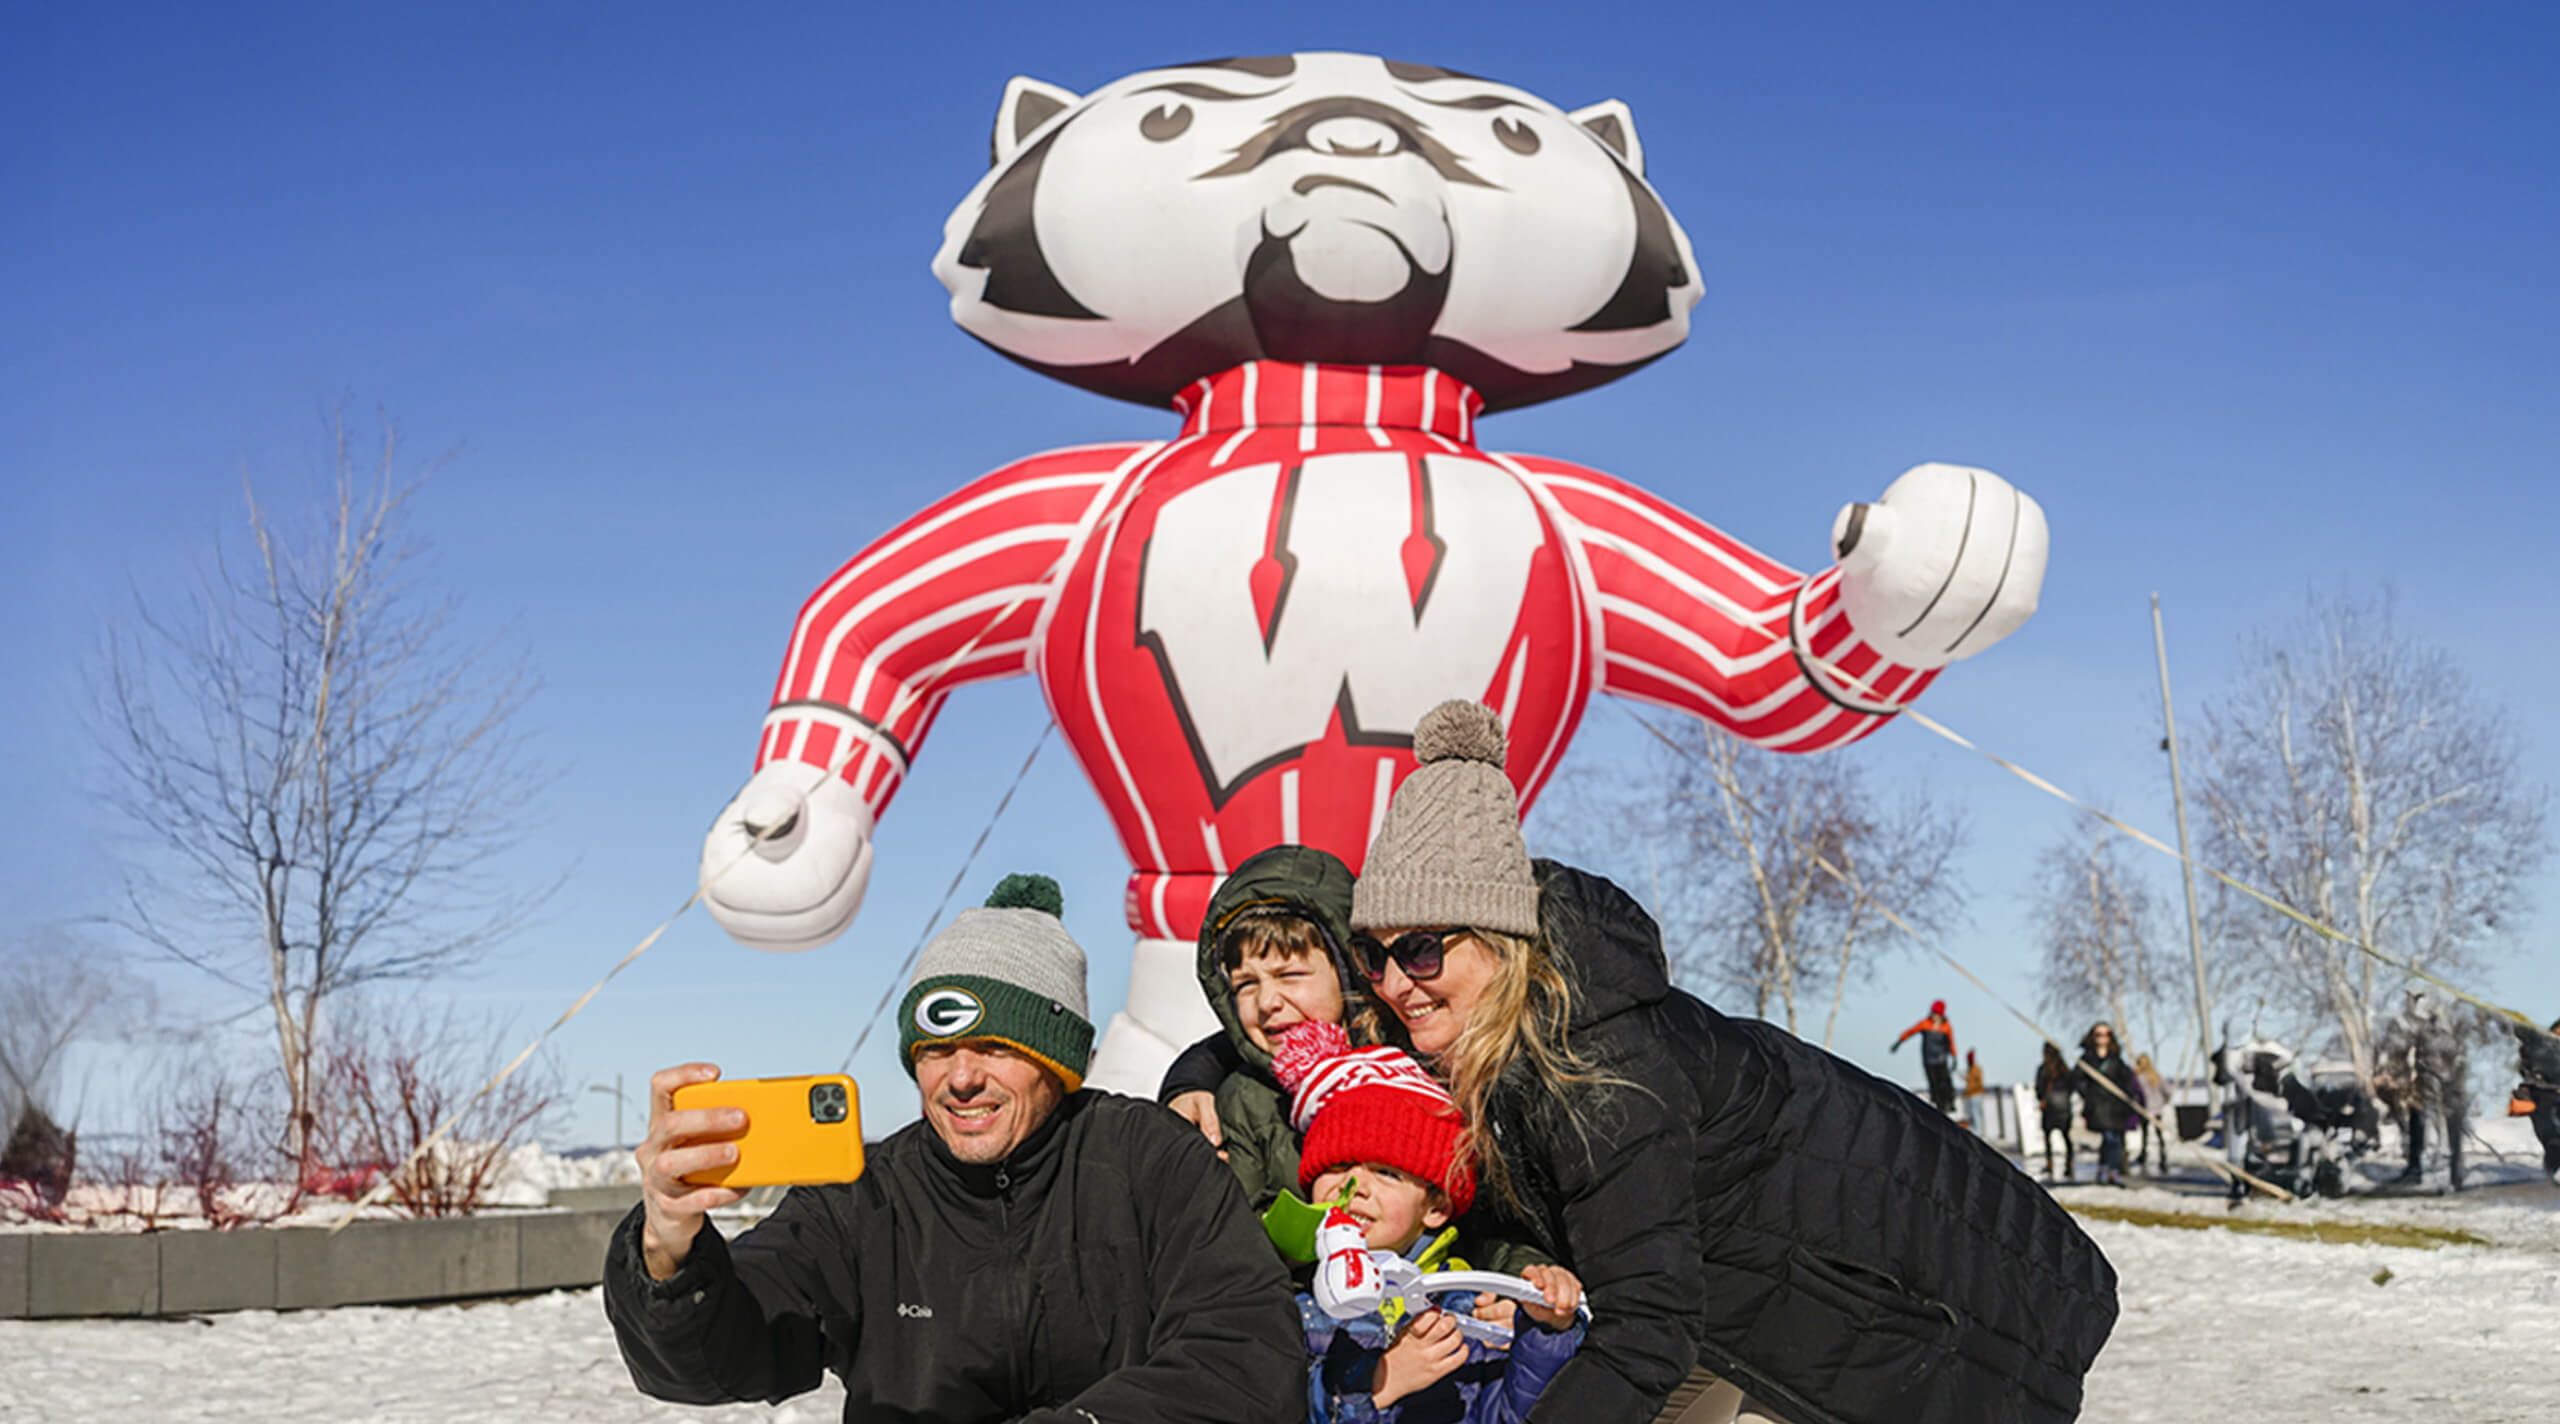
(1007, 971)
(1028, 892)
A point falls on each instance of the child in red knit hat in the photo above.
(1376, 1124)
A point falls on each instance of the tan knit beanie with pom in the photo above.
(1449, 851)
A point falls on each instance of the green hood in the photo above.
(1308, 881)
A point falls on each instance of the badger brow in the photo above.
(1480, 101)
(1202, 91)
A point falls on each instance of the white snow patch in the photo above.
(2217, 1325)
(525, 1178)
(547, 1357)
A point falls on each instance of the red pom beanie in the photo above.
(1353, 1105)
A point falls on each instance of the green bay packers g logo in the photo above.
(946, 1013)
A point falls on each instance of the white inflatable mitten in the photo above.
(1948, 562)
(800, 886)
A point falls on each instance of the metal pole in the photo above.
(616, 1090)
(2186, 855)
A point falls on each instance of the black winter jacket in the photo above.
(2101, 1110)
(1814, 1233)
(2053, 1095)
(2538, 1056)
(1107, 1270)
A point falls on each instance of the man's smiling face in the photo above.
(984, 1097)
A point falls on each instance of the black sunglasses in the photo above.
(1419, 953)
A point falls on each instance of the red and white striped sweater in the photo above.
(1237, 628)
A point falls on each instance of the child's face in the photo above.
(1275, 990)
(1393, 1207)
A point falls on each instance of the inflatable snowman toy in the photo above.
(1328, 267)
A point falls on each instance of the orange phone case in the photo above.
(784, 1143)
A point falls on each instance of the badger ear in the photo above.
(1611, 123)
(1027, 105)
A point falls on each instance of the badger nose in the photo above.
(1353, 137)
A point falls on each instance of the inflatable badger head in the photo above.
(1316, 207)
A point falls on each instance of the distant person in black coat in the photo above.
(2107, 1114)
(1767, 1233)
(2538, 1079)
(2053, 1103)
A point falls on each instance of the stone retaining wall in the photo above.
(51, 1274)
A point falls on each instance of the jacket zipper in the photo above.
(1017, 1289)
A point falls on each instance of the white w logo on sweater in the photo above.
(1347, 629)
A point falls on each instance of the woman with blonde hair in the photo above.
(2157, 1113)
(1766, 1232)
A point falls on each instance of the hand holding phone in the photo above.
(709, 1138)
(679, 1142)
(798, 1131)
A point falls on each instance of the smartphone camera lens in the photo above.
(826, 1102)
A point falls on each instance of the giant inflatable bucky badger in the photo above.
(1329, 265)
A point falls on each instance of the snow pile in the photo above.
(530, 1172)
(524, 1178)
(114, 1208)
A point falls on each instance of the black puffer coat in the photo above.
(2101, 1110)
(1812, 1232)
(2538, 1056)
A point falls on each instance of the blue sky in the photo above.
(2255, 300)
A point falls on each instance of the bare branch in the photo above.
(323, 787)
(1739, 836)
(2099, 922)
(2357, 778)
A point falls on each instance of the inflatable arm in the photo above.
(1947, 562)
(952, 596)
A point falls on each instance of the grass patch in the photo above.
(2335, 1233)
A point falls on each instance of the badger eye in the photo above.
(1165, 123)
(1515, 135)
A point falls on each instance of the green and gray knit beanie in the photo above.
(1449, 851)
(1008, 972)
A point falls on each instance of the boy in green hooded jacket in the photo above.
(1275, 952)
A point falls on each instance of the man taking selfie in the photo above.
(1027, 1251)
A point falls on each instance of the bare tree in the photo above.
(2355, 775)
(321, 777)
(1737, 840)
(2101, 929)
(57, 988)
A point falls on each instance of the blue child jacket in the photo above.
(1494, 1386)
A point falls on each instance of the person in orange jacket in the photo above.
(1937, 1054)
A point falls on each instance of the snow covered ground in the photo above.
(2219, 1326)
(2215, 1325)
(548, 1358)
